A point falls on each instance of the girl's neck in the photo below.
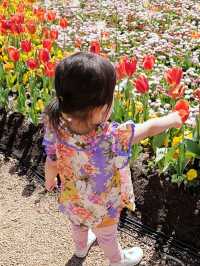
(79, 127)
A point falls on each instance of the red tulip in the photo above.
(17, 28)
(17, 18)
(95, 47)
(44, 55)
(176, 91)
(173, 76)
(120, 70)
(46, 32)
(49, 70)
(32, 63)
(63, 23)
(47, 43)
(5, 24)
(148, 62)
(26, 46)
(54, 34)
(141, 84)
(182, 107)
(13, 54)
(51, 15)
(31, 27)
(130, 66)
(197, 93)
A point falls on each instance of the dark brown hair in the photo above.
(83, 81)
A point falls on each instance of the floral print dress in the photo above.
(94, 171)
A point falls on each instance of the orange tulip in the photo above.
(5, 3)
(13, 54)
(31, 27)
(51, 15)
(182, 107)
(54, 34)
(63, 23)
(46, 32)
(40, 13)
(173, 76)
(49, 70)
(176, 91)
(78, 42)
(120, 70)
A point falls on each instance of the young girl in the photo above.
(91, 154)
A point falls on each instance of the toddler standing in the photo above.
(91, 154)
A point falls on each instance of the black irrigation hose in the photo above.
(133, 224)
(175, 243)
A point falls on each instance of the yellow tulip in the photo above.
(8, 66)
(191, 174)
(25, 78)
(130, 114)
(177, 140)
(145, 142)
(39, 105)
(5, 58)
(138, 107)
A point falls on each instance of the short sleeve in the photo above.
(49, 141)
(123, 137)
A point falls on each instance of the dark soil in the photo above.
(165, 207)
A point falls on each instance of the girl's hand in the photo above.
(176, 119)
(50, 184)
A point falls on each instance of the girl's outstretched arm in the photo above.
(156, 126)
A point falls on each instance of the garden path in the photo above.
(34, 233)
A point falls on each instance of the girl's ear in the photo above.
(98, 114)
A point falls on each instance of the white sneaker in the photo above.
(131, 257)
(91, 239)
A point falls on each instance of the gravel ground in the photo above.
(34, 233)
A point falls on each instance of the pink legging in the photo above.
(106, 237)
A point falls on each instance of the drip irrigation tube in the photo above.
(139, 227)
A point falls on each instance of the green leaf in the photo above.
(177, 178)
(158, 140)
(192, 146)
